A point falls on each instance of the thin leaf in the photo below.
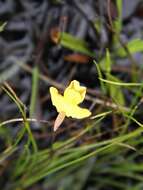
(120, 83)
(35, 81)
(3, 26)
(75, 44)
(133, 46)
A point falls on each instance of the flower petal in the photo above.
(72, 96)
(75, 93)
(77, 112)
(57, 99)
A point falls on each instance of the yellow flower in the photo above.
(67, 105)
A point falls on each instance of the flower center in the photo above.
(72, 96)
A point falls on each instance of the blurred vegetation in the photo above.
(103, 152)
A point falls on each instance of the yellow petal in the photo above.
(77, 112)
(72, 96)
(57, 99)
(75, 93)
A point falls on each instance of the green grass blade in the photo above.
(34, 93)
(75, 44)
(120, 83)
